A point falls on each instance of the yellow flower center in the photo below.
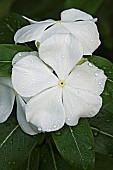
(61, 83)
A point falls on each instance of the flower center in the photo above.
(61, 83)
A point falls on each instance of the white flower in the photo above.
(62, 96)
(7, 98)
(80, 24)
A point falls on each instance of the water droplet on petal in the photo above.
(39, 129)
(90, 64)
(96, 74)
(54, 126)
(91, 40)
(77, 75)
(20, 54)
(63, 56)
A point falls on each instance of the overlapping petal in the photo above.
(87, 34)
(46, 110)
(79, 103)
(74, 15)
(26, 126)
(31, 32)
(61, 52)
(31, 76)
(7, 98)
(87, 77)
(76, 22)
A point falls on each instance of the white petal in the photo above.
(79, 104)
(74, 15)
(87, 77)
(6, 99)
(61, 52)
(21, 55)
(87, 34)
(31, 76)
(35, 22)
(26, 126)
(46, 110)
(31, 32)
(55, 29)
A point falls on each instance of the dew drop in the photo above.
(90, 64)
(95, 134)
(78, 75)
(63, 56)
(96, 74)
(54, 126)
(91, 40)
(58, 133)
(107, 121)
(20, 149)
(104, 68)
(72, 106)
(39, 129)
(20, 54)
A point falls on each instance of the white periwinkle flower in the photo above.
(72, 92)
(76, 22)
(7, 98)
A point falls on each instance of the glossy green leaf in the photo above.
(7, 52)
(15, 145)
(75, 144)
(50, 159)
(90, 6)
(102, 123)
(8, 26)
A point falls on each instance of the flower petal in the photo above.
(26, 127)
(7, 98)
(61, 52)
(46, 110)
(21, 55)
(87, 77)
(35, 22)
(74, 15)
(31, 76)
(55, 29)
(79, 104)
(31, 32)
(87, 34)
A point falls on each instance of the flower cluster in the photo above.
(52, 87)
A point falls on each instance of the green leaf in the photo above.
(50, 159)
(75, 144)
(102, 123)
(33, 160)
(15, 145)
(8, 26)
(7, 52)
(90, 6)
(104, 64)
